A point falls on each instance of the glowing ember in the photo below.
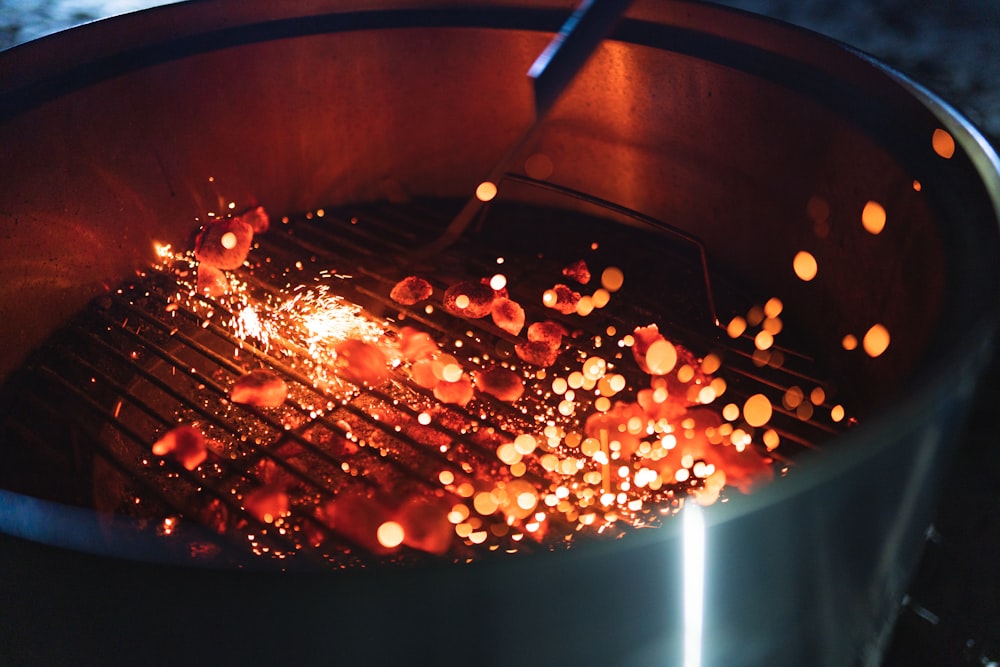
(390, 534)
(873, 217)
(805, 266)
(486, 191)
(943, 143)
(185, 444)
(876, 340)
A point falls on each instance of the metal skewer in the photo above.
(550, 74)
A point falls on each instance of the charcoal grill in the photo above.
(135, 362)
(715, 132)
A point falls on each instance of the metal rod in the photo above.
(551, 73)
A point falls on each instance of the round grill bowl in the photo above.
(722, 124)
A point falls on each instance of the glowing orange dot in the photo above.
(757, 410)
(485, 503)
(527, 500)
(228, 240)
(661, 357)
(486, 191)
(446, 477)
(793, 398)
(612, 279)
(390, 534)
(685, 373)
(773, 307)
(498, 282)
(916, 185)
(462, 301)
(805, 266)
(873, 217)
(850, 342)
(601, 298)
(876, 340)
(943, 143)
(837, 413)
(525, 443)
(771, 439)
(451, 373)
(549, 298)
(772, 325)
(731, 412)
(585, 306)
(736, 327)
(763, 340)
(508, 453)
(817, 396)
(711, 363)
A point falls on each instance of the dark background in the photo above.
(951, 614)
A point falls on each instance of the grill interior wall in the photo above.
(328, 128)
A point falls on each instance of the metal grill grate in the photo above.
(88, 405)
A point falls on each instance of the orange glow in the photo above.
(793, 398)
(772, 325)
(508, 453)
(943, 143)
(763, 340)
(850, 342)
(873, 217)
(771, 439)
(390, 534)
(661, 357)
(711, 364)
(916, 185)
(612, 279)
(757, 410)
(773, 307)
(228, 240)
(817, 396)
(485, 503)
(805, 266)
(525, 444)
(876, 341)
(685, 373)
(486, 191)
(737, 326)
